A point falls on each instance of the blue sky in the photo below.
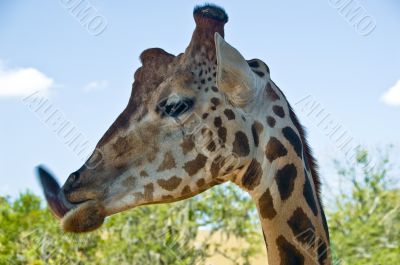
(314, 52)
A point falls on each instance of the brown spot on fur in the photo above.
(214, 88)
(271, 94)
(266, 205)
(293, 139)
(215, 166)
(299, 223)
(187, 144)
(167, 163)
(201, 182)
(170, 184)
(252, 177)
(143, 141)
(143, 174)
(288, 253)
(256, 129)
(278, 110)
(217, 122)
(215, 101)
(222, 134)
(274, 149)
(205, 115)
(129, 181)
(271, 121)
(211, 146)
(285, 178)
(229, 114)
(186, 190)
(122, 146)
(193, 166)
(138, 196)
(322, 252)
(241, 144)
(167, 197)
(148, 192)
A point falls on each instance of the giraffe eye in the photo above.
(174, 107)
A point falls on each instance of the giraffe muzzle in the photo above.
(75, 217)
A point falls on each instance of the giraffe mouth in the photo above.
(82, 216)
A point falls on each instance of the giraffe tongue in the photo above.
(52, 192)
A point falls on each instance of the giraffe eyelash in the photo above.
(174, 108)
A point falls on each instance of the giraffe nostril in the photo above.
(72, 180)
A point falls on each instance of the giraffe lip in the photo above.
(74, 198)
(78, 202)
(55, 198)
(84, 217)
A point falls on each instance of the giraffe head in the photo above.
(183, 131)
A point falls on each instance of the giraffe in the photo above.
(193, 121)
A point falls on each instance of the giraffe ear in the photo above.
(234, 75)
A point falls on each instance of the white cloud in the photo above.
(95, 85)
(20, 82)
(392, 96)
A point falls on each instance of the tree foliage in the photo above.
(159, 234)
(365, 222)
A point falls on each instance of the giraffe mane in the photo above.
(309, 158)
(307, 151)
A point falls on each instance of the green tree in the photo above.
(365, 223)
(158, 234)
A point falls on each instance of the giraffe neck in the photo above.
(293, 234)
(282, 182)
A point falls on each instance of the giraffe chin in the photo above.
(85, 217)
